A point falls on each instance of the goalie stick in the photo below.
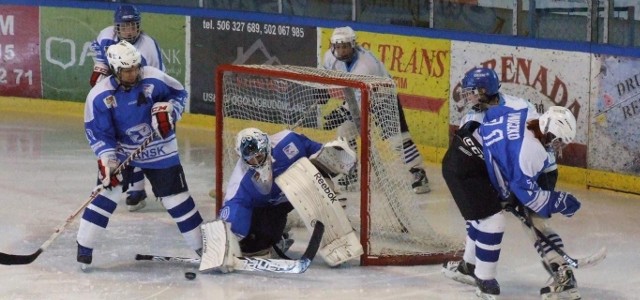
(16, 259)
(583, 262)
(288, 266)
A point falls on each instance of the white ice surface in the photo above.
(47, 171)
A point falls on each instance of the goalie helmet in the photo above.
(479, 85)
(126, 21)
(559, 127)
(343, 43)
(253, 146)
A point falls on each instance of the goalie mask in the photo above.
(124, 61)
(479, 86)
(558, 125)
(126, 21)
(253, 146)
(343, 43)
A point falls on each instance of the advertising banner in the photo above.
(615, 138)
(420, 68)
(19, 52)
(220, 41)
(544, 77)
(67, 34)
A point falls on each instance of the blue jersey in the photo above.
(244, 192)
(514, 157)
(145, 44)
(119, 120)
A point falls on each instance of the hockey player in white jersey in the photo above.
(126, 26)
(515, 156)
(273, 175)
(347, 56)
(121, 112)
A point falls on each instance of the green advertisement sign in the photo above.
(66, 58)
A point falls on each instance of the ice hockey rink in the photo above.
(47, 171)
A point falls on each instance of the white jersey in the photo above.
(146, 45)
(363, 63)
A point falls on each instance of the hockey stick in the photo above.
(15, 259)
(289, 266)
(583, 262)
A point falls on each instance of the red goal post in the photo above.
(393, 228)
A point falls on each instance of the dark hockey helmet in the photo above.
(126, 20)
(479, 85)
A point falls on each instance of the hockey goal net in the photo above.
(396, 226)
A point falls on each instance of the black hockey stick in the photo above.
(290, 266)
(15, 259)
(584, 262)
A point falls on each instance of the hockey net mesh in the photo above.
(401, 228)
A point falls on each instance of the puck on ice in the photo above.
(190, 275)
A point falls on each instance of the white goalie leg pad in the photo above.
(220, 247)
(314, 199)
(336, 157)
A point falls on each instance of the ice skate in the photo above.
(420, 183)
(136, 200)
(487, 289)
(460, 271)
(563, 285)
(85, 256)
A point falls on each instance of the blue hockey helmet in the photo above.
(126, 20)
(479, 85)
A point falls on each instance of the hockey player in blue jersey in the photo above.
(256, 207)
(121, 111)
(515, 156)
(466, 176)
(126, 26)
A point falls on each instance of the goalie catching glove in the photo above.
(107, 164)
(162, 118)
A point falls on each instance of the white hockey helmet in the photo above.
(123, 55)
(253, 146)
(343, 35)
(560, 122)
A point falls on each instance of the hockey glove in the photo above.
(99, 70)
(162, 118)
(107, 164)
(564, 203)
(336, 117)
